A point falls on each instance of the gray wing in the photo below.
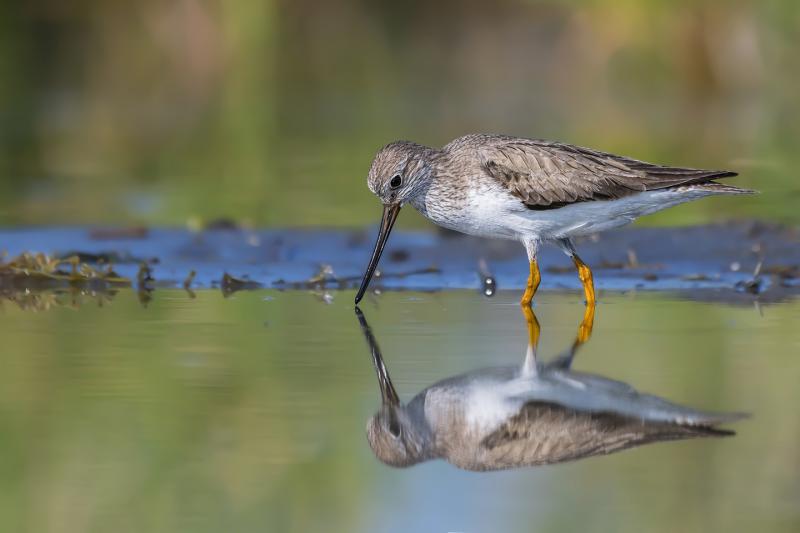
(545, 433)
(546, 175)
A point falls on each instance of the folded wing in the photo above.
(548, 175)
(546, 433)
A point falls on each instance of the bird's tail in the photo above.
(721, 188)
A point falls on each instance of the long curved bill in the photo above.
(388, 394)
(390, 212)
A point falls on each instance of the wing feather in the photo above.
(545, 174)
(547, 433)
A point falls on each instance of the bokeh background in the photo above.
(196, 413)
(161, 111)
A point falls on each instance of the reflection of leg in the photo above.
(585, 328)
(583, 335)
(533, 283)
(534, 330)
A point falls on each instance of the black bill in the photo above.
(388, 394)
(390, 212)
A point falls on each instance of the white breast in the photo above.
(489, 210)
(485, 211)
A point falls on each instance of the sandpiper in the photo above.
(528, 190)
(526, 415)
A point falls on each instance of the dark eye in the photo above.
(394, 427)
(396, 181)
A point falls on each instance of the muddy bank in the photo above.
(718, 261)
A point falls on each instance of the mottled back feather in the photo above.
(546, 433)
(548, 175)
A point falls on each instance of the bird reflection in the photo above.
(526, 415)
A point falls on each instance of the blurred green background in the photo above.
(244, 413)
(161, 110)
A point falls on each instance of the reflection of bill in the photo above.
(532, 414)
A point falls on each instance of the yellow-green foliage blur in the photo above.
(158, 111)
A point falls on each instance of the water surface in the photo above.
(248, 413)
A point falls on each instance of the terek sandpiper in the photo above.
(525, 415)
(527, 190)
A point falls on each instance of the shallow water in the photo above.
(746, 257)
(248, 413)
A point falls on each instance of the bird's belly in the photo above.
(488, 408)
(480, 213)
(489, 211)
(584, 218)
(490, 403)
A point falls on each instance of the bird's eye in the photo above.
(396, 181)
(394, 428)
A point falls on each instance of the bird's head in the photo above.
(392, 437)
(400, 172)
(391, 431)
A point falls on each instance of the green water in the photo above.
(248, 414)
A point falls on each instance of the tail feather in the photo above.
(720, 188)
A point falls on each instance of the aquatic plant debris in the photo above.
(39, 282)
(698, 258)
(230, 284)
(32, 270)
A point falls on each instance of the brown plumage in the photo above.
(548, 433)
(528, 190)
(548, 175)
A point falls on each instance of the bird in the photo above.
(525, 415)
(532, 191)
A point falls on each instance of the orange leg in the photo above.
(533, 283)
(585, 275)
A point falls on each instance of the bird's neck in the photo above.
(440, 198)
(424, 435)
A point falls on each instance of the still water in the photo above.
(248, 413)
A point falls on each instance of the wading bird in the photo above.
(527, 190)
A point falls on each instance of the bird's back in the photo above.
(548, 174)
